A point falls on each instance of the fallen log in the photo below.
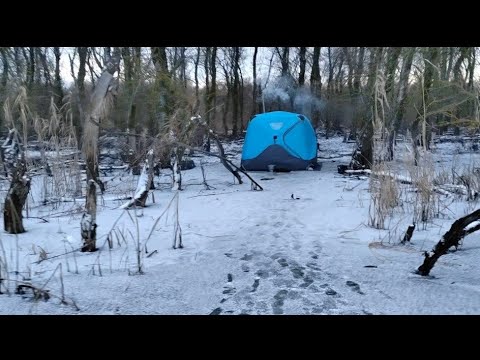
(459, 229)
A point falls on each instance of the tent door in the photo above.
(286, 144)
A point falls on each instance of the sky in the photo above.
(263, 62)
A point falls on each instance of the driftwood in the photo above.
(223, 159)
(459, 229)
(257, 185)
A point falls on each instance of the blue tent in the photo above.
(283, 139)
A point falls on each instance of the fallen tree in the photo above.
(459, 229)
(226, 162)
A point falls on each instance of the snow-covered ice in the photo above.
(245, 252)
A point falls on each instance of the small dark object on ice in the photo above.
(371, 266)
(281, 169)
(153, 252)
(266, 179)
(295, 198)
(408, 234)
(342, 168)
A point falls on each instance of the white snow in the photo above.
(313, 254)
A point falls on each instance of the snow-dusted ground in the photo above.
(245, 252)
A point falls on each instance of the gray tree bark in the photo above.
(254, 90)
(316, 89)
(14, 159)
(303, 61)
(90, 150)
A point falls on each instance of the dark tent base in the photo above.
(281, 160)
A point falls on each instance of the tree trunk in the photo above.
(235, 90)
(457, 73)
(88, 226)
(15, 200)
(393, 54)
(303, 61)
(30, 61)
(145, 183)
(3, 52)
(408, 234)
(254, 90)
(213, 85)
(183, 67)
(339, 76)
(14, 160)
(401, 99)
(226, 108)
(163, 85)
(90, 150)
(452, 237)
(330, 73)
(351, 68)
(365, 155)
(450, 63)
(58, 87)
(316, 89)
(354, 88)
(197, 96)
(19, 66)
(46, 71)
(471, 68)
(284, 59)
(132, 140)
(241, 98)
(429, 75)
(207, 84)
(177, 174)
(82, 61)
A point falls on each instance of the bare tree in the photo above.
(316, 88)
(254, 90)
(82, 72)
(197, 96)
(235, 89)
(400, 101)
(58, 86)
(302, 53)
(97, 111)
(429, 75)
(284, 55)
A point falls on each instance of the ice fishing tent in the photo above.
(283, 139)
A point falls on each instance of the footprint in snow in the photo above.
(355, 287)
(255, 285)
(246, 257)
